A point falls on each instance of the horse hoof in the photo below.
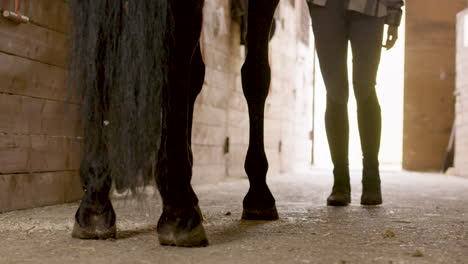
(265, 214)
(194, 238)
(92, 223)
(371, 192)
(94, 232)
(182, 227)
(339, 198)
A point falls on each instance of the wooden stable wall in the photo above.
(39, 153)
(461, 110)
(429, 81)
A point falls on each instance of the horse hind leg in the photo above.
(181, 222)
(95, 218)
(259, 203)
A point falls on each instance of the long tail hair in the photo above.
(119, 64)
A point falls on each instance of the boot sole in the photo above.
(338, 203)
(371, 202)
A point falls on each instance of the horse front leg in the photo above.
(181, 222)
(259, 203)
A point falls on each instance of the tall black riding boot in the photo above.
(371, 192)
(370, 123)
(336, 123)
(341, 192)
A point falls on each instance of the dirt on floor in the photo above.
(424, 219)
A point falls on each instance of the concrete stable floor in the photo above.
(424, 219)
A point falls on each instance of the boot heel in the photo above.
(371, 191)
(341, 191)
(339, 198)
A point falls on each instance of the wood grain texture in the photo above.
(20, 191)
(25, 77)
(33, 116)
(461, 110)
(40, 125)
(38, 153)
(429, 82)
(33, 42)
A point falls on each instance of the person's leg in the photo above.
(330, 28)
(366, 35)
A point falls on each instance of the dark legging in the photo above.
(334, 27)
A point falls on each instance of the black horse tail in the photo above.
(119, 64)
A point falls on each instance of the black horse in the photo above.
(138, 67)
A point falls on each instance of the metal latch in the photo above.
(15, 17)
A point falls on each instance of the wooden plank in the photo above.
(33, 42)
(30, 78)
(31, 153)
(461, 122)
(52, 14)
(21, 191)
(34, 116)
(429, 82)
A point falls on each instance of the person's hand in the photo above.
(392, 36)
